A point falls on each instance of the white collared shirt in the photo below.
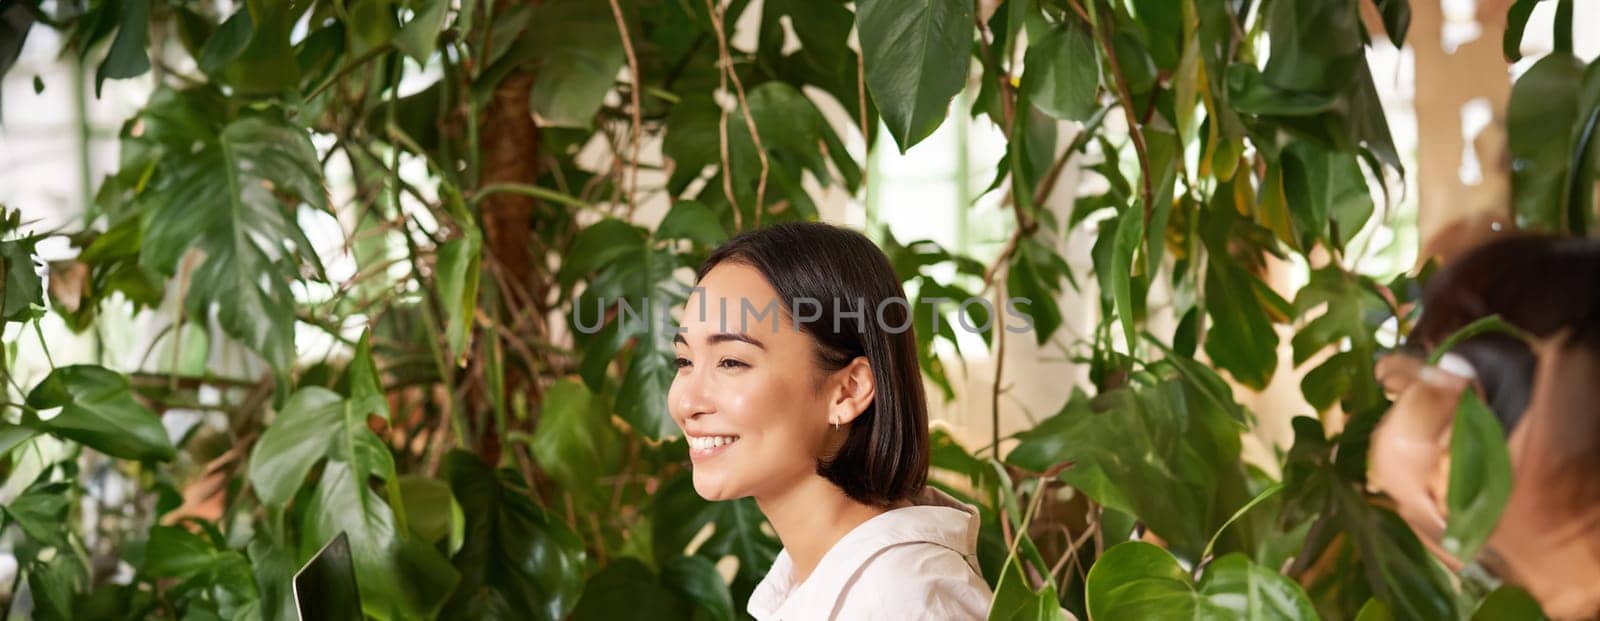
(916, 562)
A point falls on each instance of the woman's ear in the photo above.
(851, 391)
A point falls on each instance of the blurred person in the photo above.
(1545, 394)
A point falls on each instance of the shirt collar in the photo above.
(934, 517)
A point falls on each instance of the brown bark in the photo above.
(509, 145)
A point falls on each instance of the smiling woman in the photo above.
(821, 417)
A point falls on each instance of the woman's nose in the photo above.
(689, 397)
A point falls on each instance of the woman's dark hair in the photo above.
(1539, 283)
(884, 459)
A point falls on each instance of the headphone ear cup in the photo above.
(1504, 368)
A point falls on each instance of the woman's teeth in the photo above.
(702, 443)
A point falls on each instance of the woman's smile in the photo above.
(702, 448)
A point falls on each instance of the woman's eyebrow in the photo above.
(723, 337)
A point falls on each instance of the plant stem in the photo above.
(1120, 81)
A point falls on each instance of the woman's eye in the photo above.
(680, 362)
(729, 363)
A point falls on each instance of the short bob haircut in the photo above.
(884, 459)
(1541, 284)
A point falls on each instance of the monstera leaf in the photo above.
(228, 189)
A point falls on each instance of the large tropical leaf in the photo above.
(97, 408)
(517, 561)
(229, 189)
(1137, 580)
(916, 60)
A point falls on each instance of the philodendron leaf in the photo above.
(577, 52)
(517, 561)
(293, 443)
(692, 220)
(1137, 580)
(916, 57)
(99, 411)
(575, 441)
(696, 579)
(679, 514)
(1480, 478)
(399, 577)
(41, 512)
(625, 590)
(1539, 119)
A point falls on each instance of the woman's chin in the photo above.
(712, 488)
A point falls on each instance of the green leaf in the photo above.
(227, 42)
(1583, 168)
(1161, 28)
(575, 441)
(1354, 313)
(1400, 571)
(419, 36)
(577, 55)
(1241, 338)
(1130, 236)
(98, 410)
(1396, 19)
(1325, 188)
(13, 436)
(250, 239)
(456, 276)
(398, 578)
(267, 64)
(694, 221)
(1249, 591)
(679, 514)
(1516, 24)
(916, 57)
(1508, 602)
(1014, 599)
(1480, 478)
(127, 57)
(54, 584)
(599, 245)
(173, 552)
(301, 434)
(1063, 75)
(1251, 93)
(1137, 580)
(1025, 283)
(1161, 453)
(432, 511)
(41, 512)
(1315, 46)
(21, 288)
(1539, 119)
(696, 579)
(625, 589)
(517, 561)
(364, 386)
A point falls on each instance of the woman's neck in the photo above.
(812, 516)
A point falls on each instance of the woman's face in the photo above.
(747, 396)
